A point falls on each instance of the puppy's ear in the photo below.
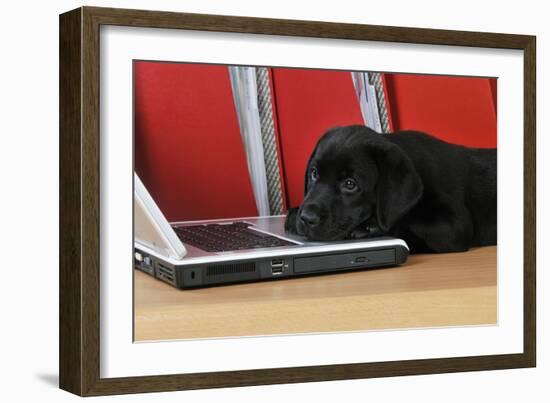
(399, 185)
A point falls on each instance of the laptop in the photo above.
(205, 253)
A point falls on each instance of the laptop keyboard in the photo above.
(227, 237)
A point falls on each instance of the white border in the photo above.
(120, 357)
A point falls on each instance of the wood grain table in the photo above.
(428, 291)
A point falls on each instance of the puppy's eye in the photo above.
(314, 174)
(350, 185)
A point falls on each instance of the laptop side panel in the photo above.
(249, 270)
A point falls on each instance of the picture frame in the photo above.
(80, 199)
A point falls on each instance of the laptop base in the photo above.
(239, 271)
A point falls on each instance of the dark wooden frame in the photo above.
(79, 200)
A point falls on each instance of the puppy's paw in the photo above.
(359, 233)
(290, 223)
(374, 230)
(369, 229)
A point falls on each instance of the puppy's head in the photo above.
(353, 175)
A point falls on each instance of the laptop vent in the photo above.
(166, 274)
(230, 268)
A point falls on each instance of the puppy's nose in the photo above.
(309, 216)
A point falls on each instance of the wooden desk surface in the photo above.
(429, 290)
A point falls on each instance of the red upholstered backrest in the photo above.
(188, 149)
(460, 110)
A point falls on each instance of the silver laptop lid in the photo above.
(150, 226)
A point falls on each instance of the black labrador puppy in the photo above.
(437, 196)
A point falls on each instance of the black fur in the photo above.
(437, 196)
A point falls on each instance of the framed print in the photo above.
(249, 201)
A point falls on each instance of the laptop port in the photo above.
(277, 263)
(277, 270)
(138, 256)
(277, 266)
(143, 262)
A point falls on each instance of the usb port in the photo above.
(277, 266)
(277, 270)
(277, 263)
